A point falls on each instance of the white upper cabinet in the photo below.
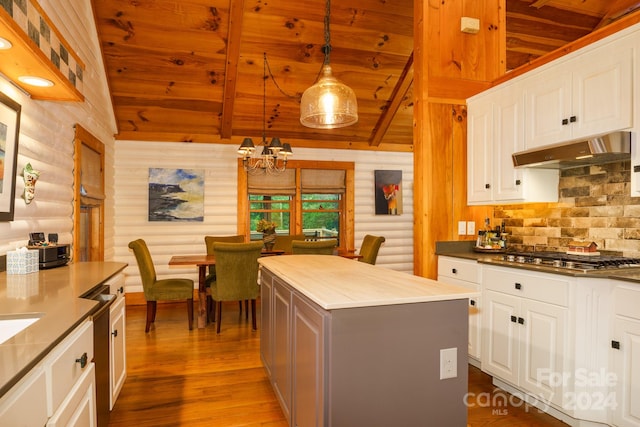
(495, 132)
(586, 95)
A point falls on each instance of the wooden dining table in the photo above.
(202, 262)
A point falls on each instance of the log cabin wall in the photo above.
(47, 135)
(219, 163)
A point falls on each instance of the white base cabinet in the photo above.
(117, 349)
(626, 355)
(467, 273)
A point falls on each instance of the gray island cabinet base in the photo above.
(371, 365)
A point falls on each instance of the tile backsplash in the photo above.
(594, 205)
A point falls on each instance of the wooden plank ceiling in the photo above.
(192, 70)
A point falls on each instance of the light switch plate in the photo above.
(471, 228)
(462, 228)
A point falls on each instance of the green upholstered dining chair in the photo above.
(160, 290)
(236, 275)
(283, 243)
(370, 247)
(209, 241)
(318, 247)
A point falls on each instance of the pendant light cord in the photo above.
(326, 49)
(264, 99)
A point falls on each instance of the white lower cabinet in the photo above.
(117, 349)
(525, 331)
(467, 273)
(626, 355)
(79, 407)
(17, 407)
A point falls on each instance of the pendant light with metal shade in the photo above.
(329, 103)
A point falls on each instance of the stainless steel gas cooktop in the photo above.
(559, 261)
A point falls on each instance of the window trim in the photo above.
(348, 234)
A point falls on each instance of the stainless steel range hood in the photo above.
(608, 148)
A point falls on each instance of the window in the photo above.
(315, 198)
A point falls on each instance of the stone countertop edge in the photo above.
(334, 282)
(55, 296)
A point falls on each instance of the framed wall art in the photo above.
(9, 131)
(176, 194)
(388, 192)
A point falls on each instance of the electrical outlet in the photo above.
(462, 228)
(471, 228)
(448, 363)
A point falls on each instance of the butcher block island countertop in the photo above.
(53, 295)
(346, 343)
(334, 282)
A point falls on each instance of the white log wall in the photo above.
(133, 160)
(47, 134)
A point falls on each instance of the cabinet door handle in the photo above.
(121, 289)
(615, 344)
(565, 122)
(487, 186)
(82, 360)
(472, 302)
(518, 286)
(514, 319)
(454, 271)
(518, 182)
(521, 320)
(573, 119)
(115, 333)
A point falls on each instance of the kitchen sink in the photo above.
(12, 324)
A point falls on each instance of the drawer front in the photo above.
(541, 287)
(627, 300)
(461, 269)
(64, 366)
(24, 405)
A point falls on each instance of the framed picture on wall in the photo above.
(388, 192)
(9, 131)
(176, 195)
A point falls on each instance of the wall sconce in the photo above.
(30, 176)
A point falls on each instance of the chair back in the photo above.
(145, 265)
(318, 247)
(210, 240)
(283, 243)
(370, 247)
(236, 271)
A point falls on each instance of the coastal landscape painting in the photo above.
(176, 195)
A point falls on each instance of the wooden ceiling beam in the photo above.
(618, 9)
(399, 91)
(236, 12)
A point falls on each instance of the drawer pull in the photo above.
(615, 344)
(454, 270)
(121, 289)
(521, 320)
(472, 302)
(514, 319)
(518, 286)
(82, 360)
(115, 333)
(487, 186)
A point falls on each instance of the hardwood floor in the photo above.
(198, 378)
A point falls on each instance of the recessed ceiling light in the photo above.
(5, 44)
(35, 81)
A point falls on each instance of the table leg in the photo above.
(202, 296)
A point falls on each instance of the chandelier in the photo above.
(272, 157)
(329, 103)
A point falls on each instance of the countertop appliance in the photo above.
(51, 253)
(560, 261)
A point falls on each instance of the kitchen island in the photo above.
(349, 343)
